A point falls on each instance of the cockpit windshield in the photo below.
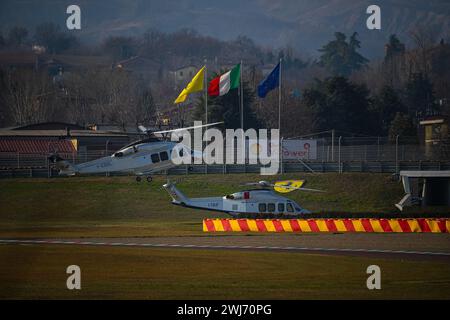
(126, 151)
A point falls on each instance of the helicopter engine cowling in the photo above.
(238, 196)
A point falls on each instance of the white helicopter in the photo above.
(262, 202)
(142, 157)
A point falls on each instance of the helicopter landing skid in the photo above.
(148, 178)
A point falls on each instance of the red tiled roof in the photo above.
(39, 146)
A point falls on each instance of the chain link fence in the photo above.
(341, 154)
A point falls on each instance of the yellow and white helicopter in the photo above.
(261, 202)
(143, 157)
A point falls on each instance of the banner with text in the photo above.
(300, 149)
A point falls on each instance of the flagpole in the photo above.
(206, 92)
(241, 89)
(279, 100)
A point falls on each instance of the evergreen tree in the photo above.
(402, 125)
(339, 104)
(341, 57)
(226, 108)
(393, 61)
(393, 48)
(386, 105)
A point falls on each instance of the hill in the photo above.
(306, 25)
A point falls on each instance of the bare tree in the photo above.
(424, 38)
(29, 96)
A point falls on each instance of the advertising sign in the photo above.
(300, 149)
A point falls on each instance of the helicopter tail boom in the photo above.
(178, 197)
(65, 167)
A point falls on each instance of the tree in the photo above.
(393, 48)
(28, 95)
(108, 96)
(120, 48)
(402, 125)
(226, 108)
(394, 61)
(297, 118)
(2, 40)
(17, 36)
(145, 108)
(290, 61)
(424, 38)
(339, 104)
(51, 37)
(419, 95)
(387, 104)
(341, 57)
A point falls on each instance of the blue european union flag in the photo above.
(271, 82)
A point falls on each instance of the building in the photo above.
(21, 59)
(143, 67)
(184, 74)
(436, 135)
(50, 137)
(52, 63)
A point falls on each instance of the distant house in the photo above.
(147, 68)
(52, 63)
(184, 74)
(21, 59)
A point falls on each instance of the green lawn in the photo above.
(119, 206)
(114, 197)
(113, 273)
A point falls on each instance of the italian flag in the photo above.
(224, 83)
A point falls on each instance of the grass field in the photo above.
(115, 273)
(118, 206)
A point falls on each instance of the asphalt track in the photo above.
(422, 246)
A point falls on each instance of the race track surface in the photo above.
(397, 246)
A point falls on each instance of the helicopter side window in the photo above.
(281, 207)
(155, 158)
(271, 207)
(164, 156)
(262, 207)
(289, 207)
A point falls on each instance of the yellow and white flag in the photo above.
(195, 85)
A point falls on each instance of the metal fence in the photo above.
(343, 154)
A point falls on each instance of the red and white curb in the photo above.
(226, 247)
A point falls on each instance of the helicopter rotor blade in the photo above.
(300, 189)
(143, 129)
(189, 128)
